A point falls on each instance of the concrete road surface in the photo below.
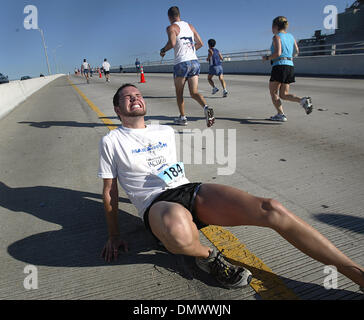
(51, 213)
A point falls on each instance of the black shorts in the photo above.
(106, 72)
(283, 74)
(184, 195)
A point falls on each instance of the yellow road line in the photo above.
(265, 283)
(101, 115)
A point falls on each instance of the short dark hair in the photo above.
(84, 60)
(212, 43)
(105, 59)
(173, 12)
(117, 94)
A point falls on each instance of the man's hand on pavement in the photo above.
(111, 248)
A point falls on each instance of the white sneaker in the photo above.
(279, 117)
(182, 121)
(225, 93)
(214, 90)
(306, 103)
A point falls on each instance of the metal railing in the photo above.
(305, 51)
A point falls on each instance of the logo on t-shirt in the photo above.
(189, 42)
(150, 148)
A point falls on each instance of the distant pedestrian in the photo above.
(106, 67)
(85, 67)
(137, 66)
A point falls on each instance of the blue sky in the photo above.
(122, 30)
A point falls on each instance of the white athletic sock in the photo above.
(206, 106)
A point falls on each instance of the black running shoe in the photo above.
(209, 114)
(225, 273)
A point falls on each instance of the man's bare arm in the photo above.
(110, 195)
(209, 55)
(172, 39)
(198, 41)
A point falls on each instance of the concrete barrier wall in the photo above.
(15, 92)
(339, 65)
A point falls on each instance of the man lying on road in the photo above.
(143, 159)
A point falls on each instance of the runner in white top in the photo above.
(85, 67)
(106, 67)
(185, 40)
(143, 159)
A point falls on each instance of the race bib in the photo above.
(172, 174)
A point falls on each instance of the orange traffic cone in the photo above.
(100, 75)
(142, 78)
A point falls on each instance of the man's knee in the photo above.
(195, 95)
(272, 213)
(179, 236)
(177, 230)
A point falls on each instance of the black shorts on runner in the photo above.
(283, 74)
(106, 72)
(184, 195)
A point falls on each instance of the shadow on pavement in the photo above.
(193, 119)
(163, 97)
(251, 121)
(83, 233)
(48, 124)
(342, 221)
(169, 121)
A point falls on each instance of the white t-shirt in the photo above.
(106, 66)
(135, 157)
(85, 65)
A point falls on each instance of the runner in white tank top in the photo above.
(184, 50)
(185, 40)
(85, 69)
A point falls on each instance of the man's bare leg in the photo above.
(172, 224)
(211, 82)
(227, 206)
(222, 80)
(179, 83)
(193, 86)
